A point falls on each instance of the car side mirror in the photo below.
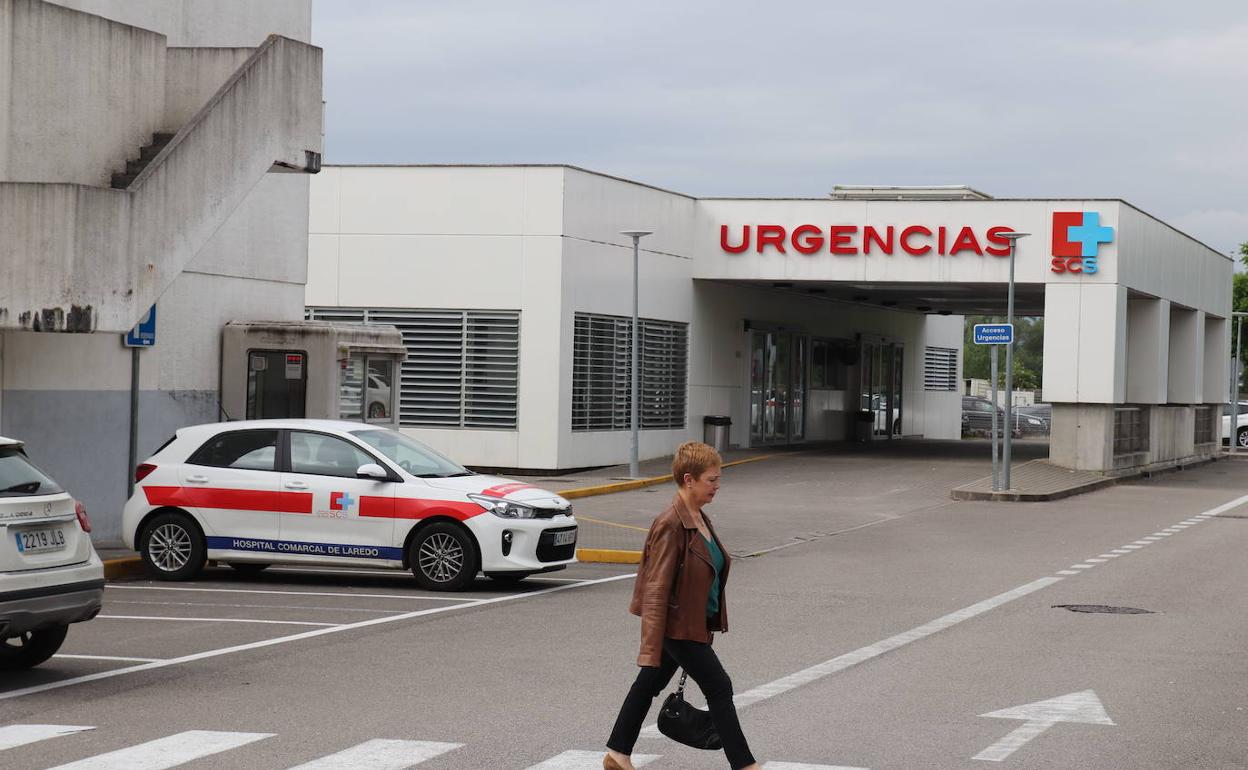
(372, 471)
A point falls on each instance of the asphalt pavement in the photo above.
(879, 625)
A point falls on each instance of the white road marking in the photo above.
(1082, 566)
(1083, 707)
(299, 636)
(805, 766)
(106, 657)
(115, 602)
(381, 755)
(1163, 533)
(1109, 556)
(124, 587)
(1120, 551)
(863, 654)
(167, 752)
(12, 736)
(1143, 542)
(1068, 572)
(586, 760)
(216, 620)
(1096, 561)
(1133, 547)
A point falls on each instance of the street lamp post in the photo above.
(1009, 365)
(635, 372)
(1233, 438)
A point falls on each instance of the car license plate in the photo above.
(39, 540)
(565, 538)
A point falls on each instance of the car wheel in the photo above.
(507, 577)
(1242, 438)
(248, 567)
(31, 648)
(443, 557)
(172, 547)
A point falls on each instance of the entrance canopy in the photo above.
(940, 298)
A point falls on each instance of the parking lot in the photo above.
(148, 624)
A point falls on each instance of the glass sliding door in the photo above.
(880, 386)
(777, 387)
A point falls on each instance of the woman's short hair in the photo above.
(694, 458)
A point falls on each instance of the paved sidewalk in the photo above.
(1035, 481)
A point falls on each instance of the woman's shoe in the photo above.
(609, 763)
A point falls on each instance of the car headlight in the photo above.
(1034, 421)
(504, 509)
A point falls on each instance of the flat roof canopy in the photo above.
(948, 298)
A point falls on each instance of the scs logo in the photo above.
(1076, 237)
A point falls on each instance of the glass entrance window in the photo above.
(366, 388)
(777, 387)
(880, 386)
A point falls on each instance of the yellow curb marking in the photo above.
(625, 486)
(605, 556)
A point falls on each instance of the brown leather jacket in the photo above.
(674, 582)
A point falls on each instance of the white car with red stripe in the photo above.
(322, 492)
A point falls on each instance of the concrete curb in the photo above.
(125, 567)
(606, 556)
(1015, 496)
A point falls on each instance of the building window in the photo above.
(602, 368)
(462, 368)
(829, 363)
(1206, 425)
(1130, 430)
(940, 369)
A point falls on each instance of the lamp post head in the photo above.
(636, 234)
(1012, 236)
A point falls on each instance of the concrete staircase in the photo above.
(79, 258)
(135, 167)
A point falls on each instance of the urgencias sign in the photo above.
(853, 240)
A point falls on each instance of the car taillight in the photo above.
(80, 511)
(141, 472)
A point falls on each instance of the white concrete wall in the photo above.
(192, 76)
(485, 238)
(1217, 375)
(1166, 263)
(80, 94)
(1148, 350)
(1085, 343)
(216, 23)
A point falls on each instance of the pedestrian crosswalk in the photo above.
(379, 754)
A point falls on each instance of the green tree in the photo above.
(1028, 353)
(1239, 303)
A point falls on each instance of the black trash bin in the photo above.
(715, 431)
(864, 424)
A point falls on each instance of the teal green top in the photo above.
(717, 561)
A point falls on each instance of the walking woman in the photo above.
(679, 595)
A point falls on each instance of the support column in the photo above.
(1148, 350)
(1085, 370)
(1217, 360)
(1187, 352)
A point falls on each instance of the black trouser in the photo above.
(703, 667)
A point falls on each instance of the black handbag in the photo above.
(685, 724)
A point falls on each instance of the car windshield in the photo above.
(411, 455)
(18, 478)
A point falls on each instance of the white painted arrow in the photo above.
(1082, 707)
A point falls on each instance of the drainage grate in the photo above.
(1103, 608)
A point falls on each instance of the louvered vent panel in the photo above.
(940, 369)
(602, 371)
(462, 368)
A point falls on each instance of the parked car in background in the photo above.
(1035, 419)
(977, 419)
(1240, 431)
(50, 575)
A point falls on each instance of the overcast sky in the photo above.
(1145, 100)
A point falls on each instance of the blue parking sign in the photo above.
(143, 335)
(994, 334)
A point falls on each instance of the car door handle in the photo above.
(197, 479)
(296, 485)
